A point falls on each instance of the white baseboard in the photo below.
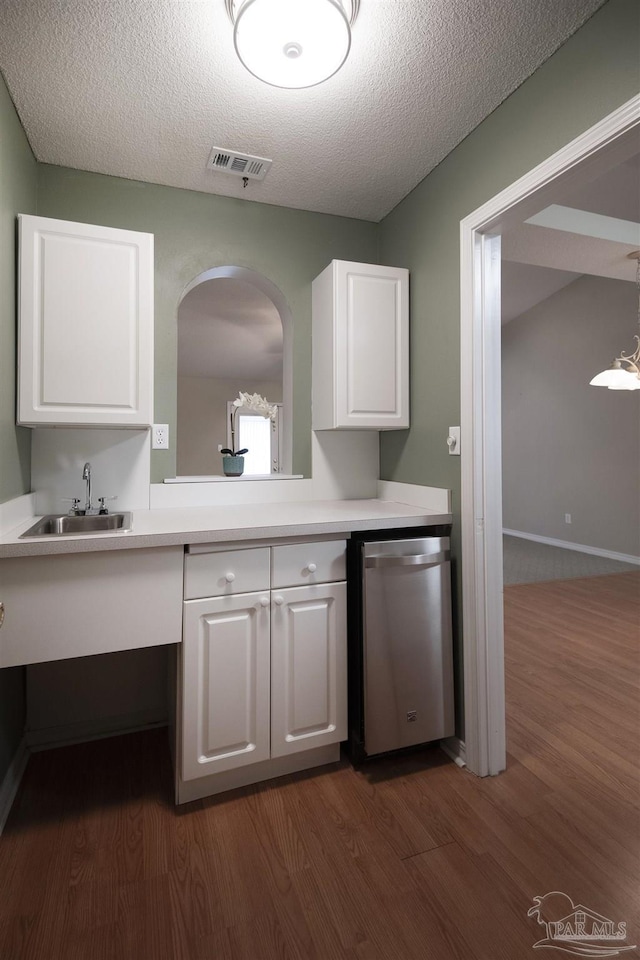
(580, 547)
(11, 782)
(455, 749)
(69, 733)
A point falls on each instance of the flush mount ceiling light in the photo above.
(292, 43)
(624, 372)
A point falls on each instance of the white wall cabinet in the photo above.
(85, 343)
(263, 674)
(360, 350)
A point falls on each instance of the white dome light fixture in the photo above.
(292, 43)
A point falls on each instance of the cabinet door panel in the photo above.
(372, 346)
(225, 684)
(86, 324)
(308, 668)
(372, 335)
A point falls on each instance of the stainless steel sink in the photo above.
(63, 525)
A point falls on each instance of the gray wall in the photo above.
(196, 231)
(568, 447)
(202, 419)
(17, 195)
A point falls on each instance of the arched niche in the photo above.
(261, 290)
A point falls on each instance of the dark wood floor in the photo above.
(412, 859)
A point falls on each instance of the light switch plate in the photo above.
(160, 436)
(453, 441)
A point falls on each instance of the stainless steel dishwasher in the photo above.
(406, 643)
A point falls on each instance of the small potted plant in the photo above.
(232, 459)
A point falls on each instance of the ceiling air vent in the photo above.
(243, 165)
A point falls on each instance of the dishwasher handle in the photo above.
(412, 560)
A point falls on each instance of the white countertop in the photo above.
(157, 528)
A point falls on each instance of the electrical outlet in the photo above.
(567, 518)
(160, 436)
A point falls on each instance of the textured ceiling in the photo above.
(143, 90)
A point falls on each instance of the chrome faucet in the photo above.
(86, 475)
(88, 510)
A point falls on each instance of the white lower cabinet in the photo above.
(226, 666)
(263, 681)
(308, 667)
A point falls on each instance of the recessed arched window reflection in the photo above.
(231, 340)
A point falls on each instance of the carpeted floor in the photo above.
(526, 561)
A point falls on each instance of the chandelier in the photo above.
(624, 372)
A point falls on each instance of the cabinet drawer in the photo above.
(301, 563)
(225, 573)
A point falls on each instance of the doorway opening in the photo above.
(606, 144)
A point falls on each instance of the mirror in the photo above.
(234, 334)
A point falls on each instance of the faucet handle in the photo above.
(74, 501)
(103, 509)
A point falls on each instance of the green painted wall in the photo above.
(596, 71)
(17, 195)
(18, 180)
(196, 231)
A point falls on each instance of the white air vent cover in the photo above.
(243, 165)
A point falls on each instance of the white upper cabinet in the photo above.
(85, 355)
(360, 347)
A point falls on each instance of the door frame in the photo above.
(480, 404)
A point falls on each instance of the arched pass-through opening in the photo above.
(266, 287)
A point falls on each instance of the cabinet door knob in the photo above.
(311, 567)
(264, 601)
(1, 613)
(278, 600)
(230, 577)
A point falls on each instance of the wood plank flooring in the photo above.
(407, 859)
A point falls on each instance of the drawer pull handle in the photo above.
(264, 601)
(230, 577)
(278, 600)
(311, 567)
(1, 613)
